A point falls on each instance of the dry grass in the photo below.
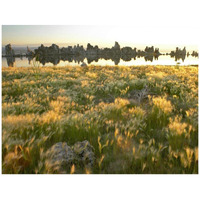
(138, 119)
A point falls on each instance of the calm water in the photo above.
(162, 60)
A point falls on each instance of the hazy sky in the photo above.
(100, 35)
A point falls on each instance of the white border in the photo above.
(145, 13)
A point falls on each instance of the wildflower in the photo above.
(176, 126)
(57, 106)
(122, 102)
(163, 104)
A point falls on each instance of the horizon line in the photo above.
(103, 46)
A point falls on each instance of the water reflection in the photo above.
(29, 60)
(54, 55)
(11, 61)
(56, 59)
(74, 61)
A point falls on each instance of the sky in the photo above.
(103, 36)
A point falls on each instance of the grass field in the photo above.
(140, 120)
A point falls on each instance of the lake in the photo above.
(161, 60)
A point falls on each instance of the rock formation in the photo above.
(83, 64)
(9, 51)
(116, 49)
(127, 50)
(92, 53)
(84, 153)
(178, 54)
(149, 49)
(60, 157)
(117, 46)
(195, 54)
(29, 52)
(46, 51)
(92, 50)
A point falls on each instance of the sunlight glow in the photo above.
(104, 36)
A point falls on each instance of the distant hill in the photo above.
(19, 50)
